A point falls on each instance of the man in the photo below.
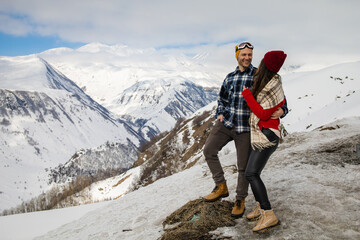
(232, 116)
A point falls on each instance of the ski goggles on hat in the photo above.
(243, 45)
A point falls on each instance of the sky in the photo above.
(315, 31)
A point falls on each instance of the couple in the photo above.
(251, 119)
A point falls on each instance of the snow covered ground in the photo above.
(28, 225)
(312, 194)
(323, 96)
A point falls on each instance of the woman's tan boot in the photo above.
(266, 221)
(255, 214)
(219, 192)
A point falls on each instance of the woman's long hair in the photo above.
(261, 77)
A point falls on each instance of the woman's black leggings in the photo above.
(256, 164)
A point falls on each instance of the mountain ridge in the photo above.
(64, 110)
(41, 128)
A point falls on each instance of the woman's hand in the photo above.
(277, 114)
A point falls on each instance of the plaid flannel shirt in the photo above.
(231, 104)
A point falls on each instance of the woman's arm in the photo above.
(263, 114)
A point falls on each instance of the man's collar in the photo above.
(247, 70)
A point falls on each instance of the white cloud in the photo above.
(307, 30)
(13, 26)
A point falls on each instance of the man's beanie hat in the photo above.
(242, 46)
(274, 60)
(237, 51)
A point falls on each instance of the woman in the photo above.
(264, 99)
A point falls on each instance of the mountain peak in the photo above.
(117, 49)
(27, 73)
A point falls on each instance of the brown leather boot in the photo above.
(255, 214)
(266, 221)
(220, 191)
(238, 209)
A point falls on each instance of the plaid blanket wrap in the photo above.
(270, 96)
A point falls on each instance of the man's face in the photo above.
(245, 58)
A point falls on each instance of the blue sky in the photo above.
(24, 45)
(308, 30)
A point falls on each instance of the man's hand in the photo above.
(220, 118)
(277, 114)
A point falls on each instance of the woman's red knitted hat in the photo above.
(274, 60)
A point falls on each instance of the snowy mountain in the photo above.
(42, 86)
(121, 79)
(180, 149)
(156, 105)
(107, 159)
(106, 71)
(148, 88)
(45, 118)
